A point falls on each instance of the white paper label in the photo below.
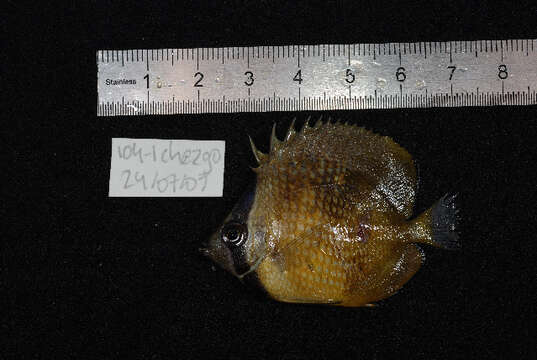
(166, 168)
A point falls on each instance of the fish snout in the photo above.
(218, 252)
(204, 249)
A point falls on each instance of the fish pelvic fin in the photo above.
(437, 226)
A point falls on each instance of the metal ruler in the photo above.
(317, 77)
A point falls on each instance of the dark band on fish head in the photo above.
(234, 233)
(244, 205)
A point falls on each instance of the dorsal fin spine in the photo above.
(259, 156)
(291, 132)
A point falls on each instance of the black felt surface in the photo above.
(87, 276)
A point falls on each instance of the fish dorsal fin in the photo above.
(387, 166)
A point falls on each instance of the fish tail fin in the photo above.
(439, 223)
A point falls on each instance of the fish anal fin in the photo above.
(404, 262)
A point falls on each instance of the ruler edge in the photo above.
(322, 44)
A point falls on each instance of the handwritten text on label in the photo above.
(166, 168)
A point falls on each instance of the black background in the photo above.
(87, 276)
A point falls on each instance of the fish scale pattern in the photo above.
(318, 240)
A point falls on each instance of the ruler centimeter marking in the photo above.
(317, 77)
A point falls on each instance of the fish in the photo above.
(328, 219)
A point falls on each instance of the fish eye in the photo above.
(234, 233)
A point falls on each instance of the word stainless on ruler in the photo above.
(317, 77)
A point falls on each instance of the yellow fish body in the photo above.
(327, 220)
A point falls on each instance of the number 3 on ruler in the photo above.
(249, 78)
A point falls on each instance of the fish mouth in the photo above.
(204, 249)
(218, 252)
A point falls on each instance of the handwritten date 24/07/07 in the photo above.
(167, 183)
